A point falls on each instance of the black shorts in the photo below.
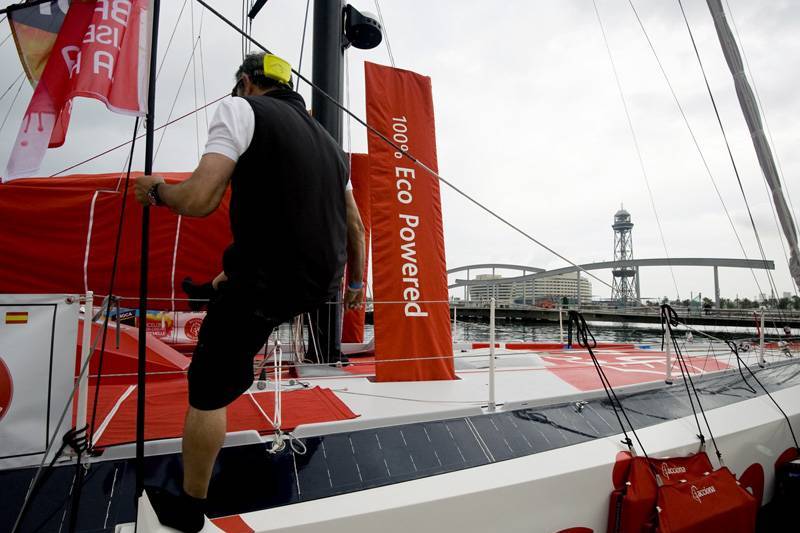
(235, 328)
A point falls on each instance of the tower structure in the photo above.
(625, 283)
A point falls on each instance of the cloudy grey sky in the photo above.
(529, 121)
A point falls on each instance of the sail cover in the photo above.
(59, 237)
(749, 106)
(411, 311)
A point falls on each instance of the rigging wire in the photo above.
(121, 145)
(11, 107)
(303, 46)
(405, 153)
(194, 82)
(727, 146)
(175, 100)
(694, 140)
(635, 143)
(761, 107)
(696, 144)
(203, 70)
(771, 142)
(11, 86)
(171, 37)
(385, 32)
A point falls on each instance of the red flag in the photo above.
(102, 51)
(408, 261)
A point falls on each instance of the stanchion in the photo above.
(761, 360)
(668, 344)
(492, 404)
(86, 348)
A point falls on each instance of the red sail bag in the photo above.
(714, 502)
(633, 506)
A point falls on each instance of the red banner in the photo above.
(102, 51)
(353, 322)
(411, 312)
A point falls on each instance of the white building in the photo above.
(552, 287)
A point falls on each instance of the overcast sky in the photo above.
(529, 122)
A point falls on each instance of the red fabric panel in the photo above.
(408, 242)
(353, 321)
(713, 503)
(123, 359)
(45, 225)
(167, 402)
(232, 524)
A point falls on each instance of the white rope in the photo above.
(175, 263)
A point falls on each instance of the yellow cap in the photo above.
(277, 69)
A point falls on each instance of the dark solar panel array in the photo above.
(247, 478)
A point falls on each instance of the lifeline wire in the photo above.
(404, 153)
(385, 32)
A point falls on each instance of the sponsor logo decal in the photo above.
(668, 471)
(192, 328)
(6, 389)
(699, 494)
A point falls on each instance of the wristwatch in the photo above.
(152, 195)
(355, 285)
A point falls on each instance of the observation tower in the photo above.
(625, 285)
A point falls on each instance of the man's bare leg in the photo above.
(203, 435)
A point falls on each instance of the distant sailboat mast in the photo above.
(752, 116)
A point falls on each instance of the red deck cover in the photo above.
(167, 402)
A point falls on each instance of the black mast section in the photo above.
(144, 264)
(328, 67)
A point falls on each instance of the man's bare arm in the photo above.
(355, 251)
(197, 196)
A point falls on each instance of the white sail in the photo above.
(751, 114)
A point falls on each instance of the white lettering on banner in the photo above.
(116, 10)
(408, 234)
(103, 60)
(699, 494)
(72, 57)
(103, 34)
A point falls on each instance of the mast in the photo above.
(328, 67)
(144, 264)
(752, 116)
(327, 74)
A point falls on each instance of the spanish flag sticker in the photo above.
(16, 317)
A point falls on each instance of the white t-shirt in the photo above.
(231, 130)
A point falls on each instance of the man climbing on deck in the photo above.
(294, 224)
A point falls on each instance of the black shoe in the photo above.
(183, 512)
(199, 295)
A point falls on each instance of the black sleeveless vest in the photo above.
(287, 210)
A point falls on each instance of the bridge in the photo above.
(538, 273)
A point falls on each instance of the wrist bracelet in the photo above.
(355, 285)
(152, 195)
